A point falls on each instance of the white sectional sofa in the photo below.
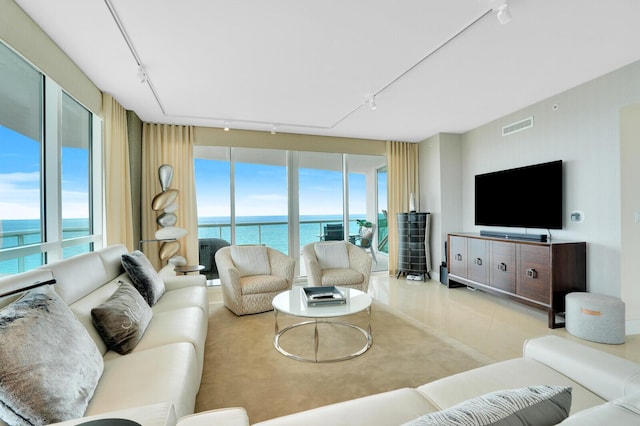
(605, 390)
(158, 381)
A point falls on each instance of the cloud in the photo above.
(20, 198)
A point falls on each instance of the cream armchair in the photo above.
(337, 263)
(251, 276)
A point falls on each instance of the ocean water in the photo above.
(268, 230)
(17, 233)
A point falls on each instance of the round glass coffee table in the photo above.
(293, 302)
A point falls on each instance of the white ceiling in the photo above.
(309, 66)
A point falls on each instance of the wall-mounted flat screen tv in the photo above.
(524, 197)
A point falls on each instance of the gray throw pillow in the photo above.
(144, 277)
(533, 405)
(122, 319)
(49, 365)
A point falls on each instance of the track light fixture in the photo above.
(273, 129)
(142, 74)
(226, 126)
(504, 14)
(372, 102)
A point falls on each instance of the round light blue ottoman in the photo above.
(595, 317)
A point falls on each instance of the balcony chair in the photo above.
(333, 232)
(364, 240)
(337, 263)
(251, 276)
(208, 249)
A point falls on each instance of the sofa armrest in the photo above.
(312, 267)
(227, 270)
(162, 414)
(182, 281)
(224, 416)
(359, 260)
(281, 265)
(604, 374)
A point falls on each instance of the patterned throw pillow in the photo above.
(123, 319)
(49, 365)
(144, 277)
(533, 405)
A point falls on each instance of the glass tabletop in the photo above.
(293, 302)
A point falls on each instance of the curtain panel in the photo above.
(402, 180)
(118, 207)
(173, 145)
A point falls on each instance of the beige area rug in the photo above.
(242, 368)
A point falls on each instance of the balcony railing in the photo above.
(12, 264)
(274, 234)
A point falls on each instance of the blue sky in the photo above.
(261, 190)
(20, 178)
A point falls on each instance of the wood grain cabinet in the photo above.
(537, 274)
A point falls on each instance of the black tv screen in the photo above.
(525, 197)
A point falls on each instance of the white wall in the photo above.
(440, 190)
(630, 222)
(581, 127)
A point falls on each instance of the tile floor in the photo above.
(494, 326)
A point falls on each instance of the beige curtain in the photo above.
(169, 144)
(402, 180)
(118, 209)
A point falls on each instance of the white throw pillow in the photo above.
(251, 260)
(332, 255)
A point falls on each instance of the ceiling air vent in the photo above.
(527, 123)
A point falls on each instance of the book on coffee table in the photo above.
(324, 296)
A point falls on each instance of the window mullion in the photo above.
(52, 172)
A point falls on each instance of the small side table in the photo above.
(184, 270)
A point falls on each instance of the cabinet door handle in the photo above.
(502, 267)
(532, 273)
(459, 257)
(478, 261)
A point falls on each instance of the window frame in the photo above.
(52, 246)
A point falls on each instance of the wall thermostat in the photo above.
(577, 217)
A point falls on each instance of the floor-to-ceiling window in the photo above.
(213, 191)
(260, 197)
(284, 199)
(320, 197)
(48, 175)
(383, 231)
(75, 169)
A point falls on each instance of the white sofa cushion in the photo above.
(387, 408)
(58, 363)
(183, 298)
(161, 414)
(621, 377)
(234, 416)
(332, 255)
(163, 373)
(624, 411)
(532, 405)
(181, 325)
(251, 260)
(510, 374)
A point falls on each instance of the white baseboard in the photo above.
(632, 327)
